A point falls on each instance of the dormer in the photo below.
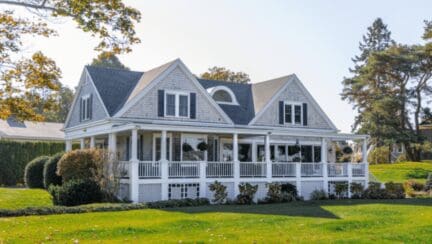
(223, 95)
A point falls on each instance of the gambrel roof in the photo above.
(118, 88)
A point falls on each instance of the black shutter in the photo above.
(80, 109)
(281, 112)
(161, 103)
(90, 106)
(193, 105)
(305, 114)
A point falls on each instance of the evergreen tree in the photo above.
(108, 60)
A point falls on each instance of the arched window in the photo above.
(223, 95)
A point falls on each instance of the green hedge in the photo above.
(14, 156)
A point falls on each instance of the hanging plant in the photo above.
(186, 147)
(296, 159)
(347, 150)
(296, 149)
(202, 146)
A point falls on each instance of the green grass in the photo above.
(15, 198)
(347, 221)
(400, 172)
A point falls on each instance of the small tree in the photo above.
(247, 193)
(219, 192)
(33, 174)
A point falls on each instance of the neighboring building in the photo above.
(12, 129)
(177, 134)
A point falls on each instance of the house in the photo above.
(176, 134)
(12, 129)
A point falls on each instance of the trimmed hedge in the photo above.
(107, 207)
(50, 168)
(33, 175)
(76, 192)
(14, 156)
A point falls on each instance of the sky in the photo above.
(266, 39)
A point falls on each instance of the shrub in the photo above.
(374, 191)
(394, 190)
(247, 193)
(341, 189)
(418, 173)
(289, 189)
(414, 185)
(275, 194)
(379, 155)
(174, 203)
(356, 190)
(428, 184)
(50, 171)
(77, 164)
(318, 194)
(219, 192)
(76, 192)
(401, 158)
(33, 174)
(14, 157)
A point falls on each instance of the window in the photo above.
(86, 107)
(193, 153)
(223, 95)
(293, 113)
(244, 152)
(177, 104)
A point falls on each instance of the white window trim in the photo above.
(293, 104)
(213, 90)
(177, 103)
(85, 106)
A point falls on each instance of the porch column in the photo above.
(267, 157)
(68, 145)
(164, 166)
(82, 143)
(236, 164)
(112, 144)
(324, 163)
(92, 142)
(133, 168)
(364, 160)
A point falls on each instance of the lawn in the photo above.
(347, 221)
(400, 172)
(15, 198)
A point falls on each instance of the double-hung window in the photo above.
(85, 108)
(293, 113)
(177, 104)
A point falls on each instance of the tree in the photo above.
(108, 60)
(26, 82)
(63, 104)
(224, 74)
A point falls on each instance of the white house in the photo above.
(177, 133)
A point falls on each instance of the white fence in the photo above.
(184, 169)
(220, 170)
(149, 169)
(311, 169)
(253, 169)
(197, 169)
(337, 169)
(284, 169)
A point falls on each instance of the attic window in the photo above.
(223, 95)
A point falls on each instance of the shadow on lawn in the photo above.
(299, 209)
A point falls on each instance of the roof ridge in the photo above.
(112, 68)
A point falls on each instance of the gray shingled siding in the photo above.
(98, 110)
(293, 93)
(178, 81)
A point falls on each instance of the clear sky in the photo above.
(266, 39)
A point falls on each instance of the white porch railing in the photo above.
(337, 169)
(149, 169)
(252, 169)
(184, 169)
(358, 169)
(311, 169)
(220, 169)
(283, 169)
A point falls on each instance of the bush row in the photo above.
(14, 157)
(107, 207)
